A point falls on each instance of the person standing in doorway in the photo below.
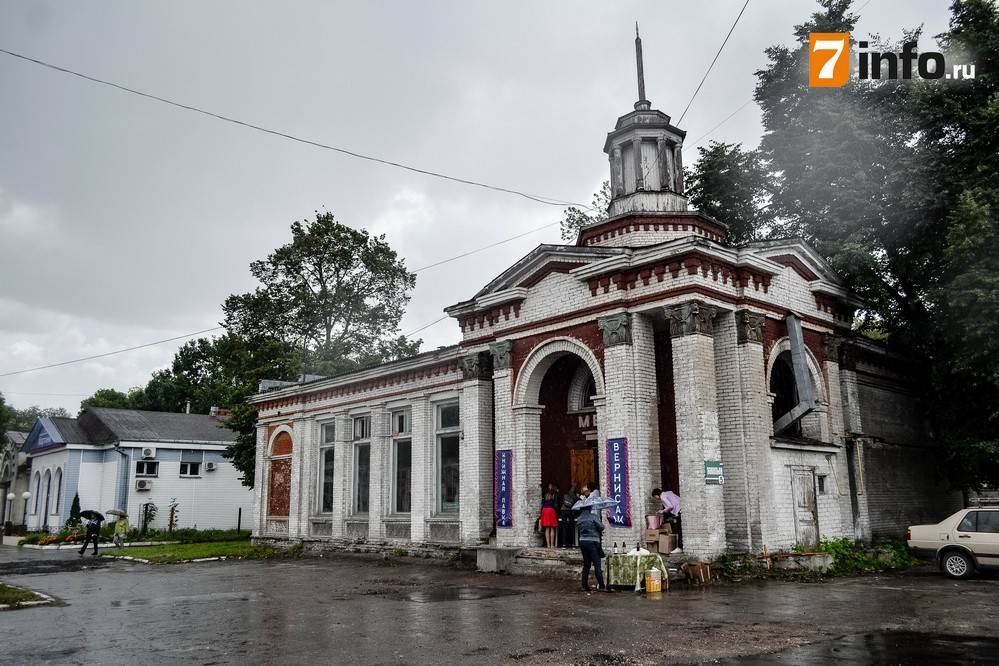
(549, 516)
(590, 530)
(93, 532)
(567, 519)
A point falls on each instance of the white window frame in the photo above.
(366, 422)
(325, 446)
(407, 418)
(144, 463)
(331, 425)
(188, 475)
(439, 433)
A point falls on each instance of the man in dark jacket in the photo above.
(93, 532)
(589, 529)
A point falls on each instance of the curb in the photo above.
(67, 546)
(44, 601)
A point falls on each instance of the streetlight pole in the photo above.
(26, 495)
(11, 496)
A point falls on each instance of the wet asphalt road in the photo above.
(366, 610)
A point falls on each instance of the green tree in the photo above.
(24, 419)
(336, 292)
(731, 185)
(8, 417)
(74, 519)
(108, 397)
(575, 218)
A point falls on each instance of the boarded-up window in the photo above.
(282, 445)
(279, 487)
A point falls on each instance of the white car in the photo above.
(960, 544)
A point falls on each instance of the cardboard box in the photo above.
(666, 529)
(652, 546)
(666, 544)
(651, 535)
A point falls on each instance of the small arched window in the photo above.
(38, 490)
(48, 490)
(58, 495)
(282, 445)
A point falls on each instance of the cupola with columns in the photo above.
(648, 204)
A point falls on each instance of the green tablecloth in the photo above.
(629, 570)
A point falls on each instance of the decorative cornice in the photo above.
(616, 329)
(696, 224)
(690, 263)
(502, 352)
(490, 316)
(691, 318)
(477, 366)
(749, 326)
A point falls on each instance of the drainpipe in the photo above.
(122, 495)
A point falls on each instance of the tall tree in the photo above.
(731, 185)
(334, 291)
(24, 419)
(576, 218)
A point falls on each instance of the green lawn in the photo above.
(192, 551)
(13, 595)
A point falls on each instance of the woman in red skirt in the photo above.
(549, 517)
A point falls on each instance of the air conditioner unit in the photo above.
(210, 466)
(149, 452)
(143, 484)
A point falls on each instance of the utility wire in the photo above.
(727, 118)
(110, 353)
(486, 247)
(711, 66)
(550, 201)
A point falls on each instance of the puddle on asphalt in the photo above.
(451, 594)
(885, 647)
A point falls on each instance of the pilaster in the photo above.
(476, 407)
(504, 440)
(422, 492)
(298, 508)
(629, 411)
(380, 484)
(341, 475)
(698, 439)
(260, 483)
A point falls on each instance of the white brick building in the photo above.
(124, 459)
(710, 360)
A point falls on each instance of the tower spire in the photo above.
(642, 103)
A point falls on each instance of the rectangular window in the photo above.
(147, 468)
(400, 423)
(362, 477)
(970, 522)
(190, 469)
(403, 475)
(362, 427)
(448, 474)
(821, 482)
(326, 479)
(329, 433)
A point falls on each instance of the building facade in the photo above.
(126, 459)
(650, 353)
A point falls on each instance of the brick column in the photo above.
(476, 406)
(341, 474)
(630, 411)
(422, 492)
(698, 440)
(837, 434)
(526, 473)
(504, 436)
(259, 483)
(380, 480)
(855, 443)
(298, 509)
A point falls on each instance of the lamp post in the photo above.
(26, 495)
(11, 496)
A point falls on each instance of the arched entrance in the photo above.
(568, 424)
(530, 415)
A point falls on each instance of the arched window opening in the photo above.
(282, 445)
(58, 495)
(279, 476)
(785, 390)
(48, 490)
(38, 490)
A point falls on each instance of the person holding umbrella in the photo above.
(94, 520)
(590, 530)
(120, 526)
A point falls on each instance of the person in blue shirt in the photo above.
(589, 530)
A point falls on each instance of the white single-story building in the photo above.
(127, 459)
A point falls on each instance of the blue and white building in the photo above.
(124, 459)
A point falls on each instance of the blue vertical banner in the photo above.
(617, 482)
(503, 488)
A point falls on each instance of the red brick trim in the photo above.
(490, 316)
(691, 262)
(694, 223)
(632, 302)
(548, 269)
(795, 263)
(587, 334)
(393, 379)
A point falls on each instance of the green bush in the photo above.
(852, 558)
(31, 538)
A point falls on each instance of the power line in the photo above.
(727, 118)
(425, 326)
(711, 66)
(110, 353)
(550, 201)
(486, 247)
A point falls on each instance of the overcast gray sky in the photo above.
(124, 221)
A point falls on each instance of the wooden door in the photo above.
(806, 515)
(583, 467)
